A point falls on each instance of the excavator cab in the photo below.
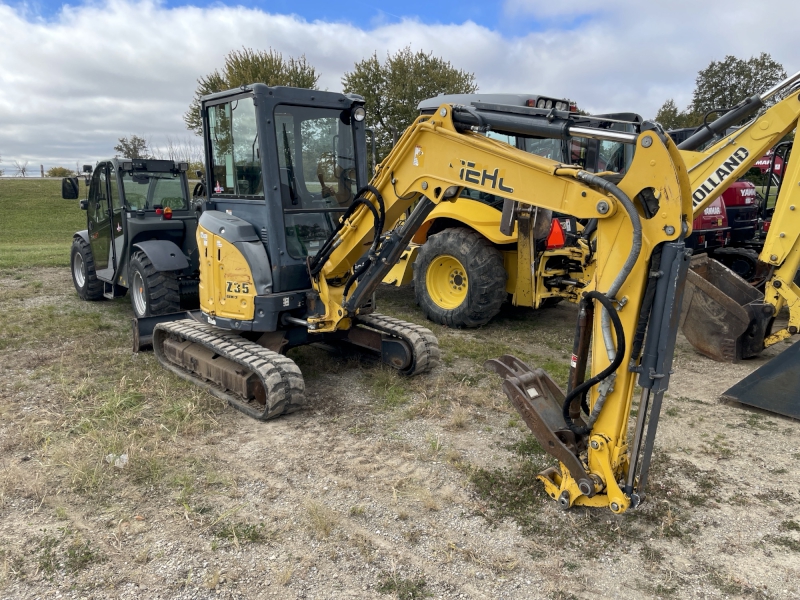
(288, 162)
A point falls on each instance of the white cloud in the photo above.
(70, 86)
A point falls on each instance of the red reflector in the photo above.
(766, 226)
(701, 239)
(159, 211)
(531, 102)
(556, 238)
(168, 213)
(573, 107)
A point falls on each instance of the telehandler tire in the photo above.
(459, 278)
(152, 292)
(83, 274)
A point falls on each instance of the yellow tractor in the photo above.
(481, 249)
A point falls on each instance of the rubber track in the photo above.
(424, 345)
(280, 376)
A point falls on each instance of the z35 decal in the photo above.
(234, 287)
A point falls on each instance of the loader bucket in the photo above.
(775, 386)
(723, 316)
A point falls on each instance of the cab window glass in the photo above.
(97, 194)
(511, 140)
(167, 191)
(544, 147)
(116, 204)
(235, 155)
(146, 190)
(316, 161)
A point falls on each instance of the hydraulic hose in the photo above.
(379, 219)
(583, 388)
(633, 256)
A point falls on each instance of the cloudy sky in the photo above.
(75, 77)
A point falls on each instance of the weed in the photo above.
(357, 510)
(285, 576)
(777, 495)
(719, 447)
(790, 525)
(459, 418)
(243, 532)
(321, 519)
(406, 589)
(672, 411)
(786, 542)
(388, 386)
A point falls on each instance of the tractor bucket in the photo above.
(775, 386)
(723, 316)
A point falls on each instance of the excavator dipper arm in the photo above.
(636, 289)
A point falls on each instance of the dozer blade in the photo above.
(723, 316)
(775, 386)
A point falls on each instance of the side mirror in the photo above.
(84, 204)
(87, 168)
(69, 188)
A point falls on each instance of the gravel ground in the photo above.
(375, 490)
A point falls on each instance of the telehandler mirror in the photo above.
(87, 168)
(69, 188)
(84, 204)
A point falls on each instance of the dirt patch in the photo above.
(118, 480)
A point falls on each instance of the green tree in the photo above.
(671, 118)
(724, 83)
(132, 147)
(246, 66)
(394, 88)
(59, 172)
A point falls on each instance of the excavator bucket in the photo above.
(723, 316)
(774, 386)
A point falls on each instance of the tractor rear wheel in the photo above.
(742, 261)
(83, 274)
(152, 292)
(459, 278)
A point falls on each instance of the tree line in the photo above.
(722, 84)
(393, 87)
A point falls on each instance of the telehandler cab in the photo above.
(140, 235)
(294, 241)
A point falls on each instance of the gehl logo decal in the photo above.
(469, 174)
(725, 169)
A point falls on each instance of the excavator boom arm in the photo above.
(430, 164)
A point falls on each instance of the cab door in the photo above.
(99, 223)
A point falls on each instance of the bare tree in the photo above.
(1, 162)
(22, 168)
(182, 149)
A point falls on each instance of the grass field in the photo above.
(37, 224)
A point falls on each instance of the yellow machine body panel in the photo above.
(226, 282)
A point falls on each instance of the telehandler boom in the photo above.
(285, 262)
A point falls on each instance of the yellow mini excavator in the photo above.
(293, 242)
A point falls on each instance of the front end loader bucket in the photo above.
(723, 316)
(775, 386)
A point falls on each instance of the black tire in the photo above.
(484, 284)
(84, 278)
(152, 292)
(742, 261)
